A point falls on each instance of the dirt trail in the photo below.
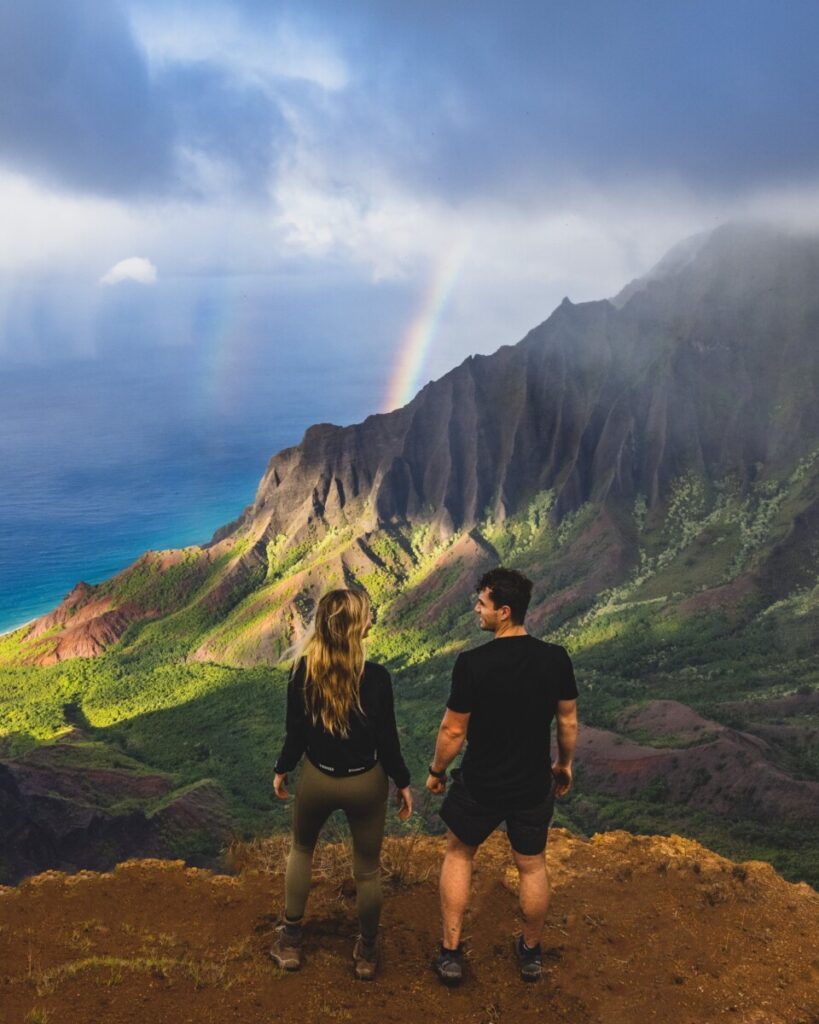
(640, 929)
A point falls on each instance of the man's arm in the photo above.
(451, 736)
(566, 743)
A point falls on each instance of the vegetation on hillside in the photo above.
(638, 640)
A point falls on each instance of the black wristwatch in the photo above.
(437, 775)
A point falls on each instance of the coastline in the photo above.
(34, 585)
(5, 632)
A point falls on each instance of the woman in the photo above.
(340, 713)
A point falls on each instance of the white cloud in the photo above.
(50, 234)
(523, 257)
(46, 231)
(135, 268)
(180, 34)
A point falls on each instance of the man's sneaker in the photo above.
(449, 965)
(365, 958)
(286, 950)
(530, 960)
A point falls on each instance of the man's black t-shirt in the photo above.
(510, 687)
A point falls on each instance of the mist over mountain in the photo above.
(708, 364)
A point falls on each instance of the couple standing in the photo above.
(504, 696)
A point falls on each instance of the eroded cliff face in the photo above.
(708, 370)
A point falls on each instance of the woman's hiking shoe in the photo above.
(530, 960)
(286, 950)
(449, 965)
(365, 958)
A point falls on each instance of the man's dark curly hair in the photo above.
(510, 587)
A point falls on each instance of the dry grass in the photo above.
(402, 862)
(112, 970)
(267, 855)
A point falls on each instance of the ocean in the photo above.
(100, 461)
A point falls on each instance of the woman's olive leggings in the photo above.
(363, 798)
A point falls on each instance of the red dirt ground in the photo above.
(640, 929)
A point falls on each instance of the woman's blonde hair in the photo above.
(334, 659)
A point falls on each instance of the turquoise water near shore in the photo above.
(99, 527)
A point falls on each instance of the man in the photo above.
(504, 696)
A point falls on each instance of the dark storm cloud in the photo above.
(77, 104)
(226, 120)
(80, 110)
(468, 97)
(456, 99)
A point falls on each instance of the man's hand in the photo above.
(403, 799)
(435, 785)
(563, 778)
(280, 785)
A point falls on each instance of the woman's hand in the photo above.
(280, 785)
(403, 799)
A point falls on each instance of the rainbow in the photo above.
(412, 353)
(221, 328)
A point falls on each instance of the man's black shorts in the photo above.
(472, 822)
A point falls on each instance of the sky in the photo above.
(378, 188)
